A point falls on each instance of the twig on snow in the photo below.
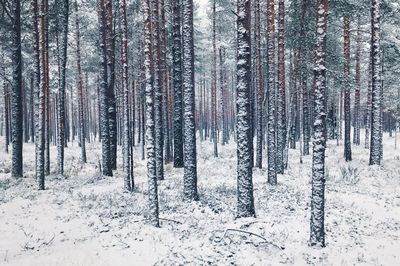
(253, 234)
(46, 243)
(170, 220)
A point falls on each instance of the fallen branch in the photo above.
(170, 220)
(253, 234)
(48, 242)
(163, 219)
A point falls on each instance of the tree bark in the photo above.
(376, 119)
(271, 141)
(245, 198)
(189, 129)
(317, 230)
(347, 117)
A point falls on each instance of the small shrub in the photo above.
(350, 175)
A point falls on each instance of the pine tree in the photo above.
(128, 184)
(347, 118)
(61, 89)
(189, 128)
(110, 55)
(317, 231)
(214, 84)
(357, 122)
(259, 85)
(245, 203)
(103, 94)
(271, 138)
(16, 90)
(158, 95)
(376, 85)
(177, 83)
(281, 102)
(39, 12)
(150, 128)
(82, 123)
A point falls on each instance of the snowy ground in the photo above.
(86, 219)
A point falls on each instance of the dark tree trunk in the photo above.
(271, 142)
(61, 89)
(356, 138)
(259, 86)
(317, 230)
(104, 95)
(177, 83)
(16, 91)
(347, 117)
(281, 110)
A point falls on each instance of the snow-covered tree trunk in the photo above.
(6, 115)
(281, 101)
(222, 100)
(16, 91)
(189, 128)
(46, 74)
(356, 137)
(317, 230)
(303, 82)
(271, 138)
(158, 94)
(112, 110)
(82, 125)
(103, 94)
(165, 86)
(61, 87)
(245, 203)
(126, 130)
(214, 129)
(376, 86)
(347, 117)
(150, 125)
(368, 107)
(259, 85)
(177, 83)
(39, 12)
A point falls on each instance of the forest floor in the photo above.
(86, 219)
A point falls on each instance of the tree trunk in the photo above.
(16, 91)
(347, 118)
(150, 129)
(158, 94)
(245, 203)
(376, 119)
(189, 129)
(356, 138)
(214, 85)
(82, 124)
(177, 78)
(259, 86)
(126, 129)
(317, 230)
(104, 95)
(39, 12)
(281, 110)
(271, 145)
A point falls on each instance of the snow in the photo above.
(87, 219)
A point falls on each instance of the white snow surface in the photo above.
(86, 219)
